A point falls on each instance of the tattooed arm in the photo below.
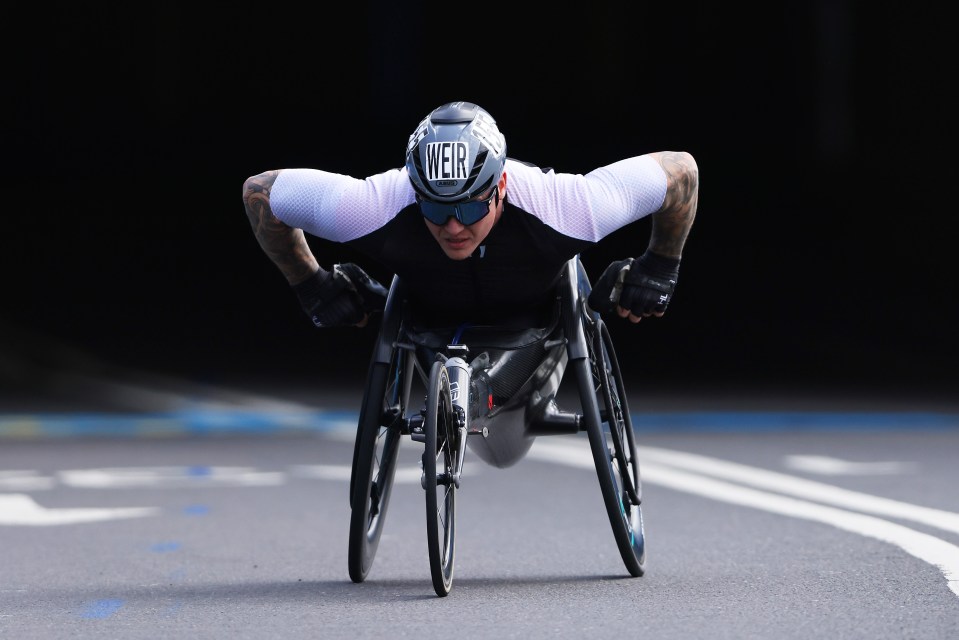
(642, 287)
(285, 246)
(671, 224)
(649, 285)
(342, 297)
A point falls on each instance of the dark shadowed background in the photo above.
(822, 257)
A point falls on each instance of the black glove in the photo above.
(648, 286)
(605, 293)
(643, 286)
(340, 298)
(372, 293)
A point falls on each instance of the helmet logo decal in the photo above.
(447, 161)
(418, 135)
(484, 129)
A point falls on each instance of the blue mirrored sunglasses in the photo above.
(469, 212)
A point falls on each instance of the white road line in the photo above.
(403, 475)
(810, 489)
(827, 466)
(26, 480)
(171, 477)
(927, 548)
(21, 509)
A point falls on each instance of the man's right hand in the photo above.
(341, 298)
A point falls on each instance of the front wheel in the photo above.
(612, 442)
(374, 458)
(439, 465)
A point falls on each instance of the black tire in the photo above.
(617, 415)
(439, 463)
(374, 459)
(612, 442)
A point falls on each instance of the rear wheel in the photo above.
(439, 464)
(612, 442)
(374, 458)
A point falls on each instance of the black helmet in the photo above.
(456, 153)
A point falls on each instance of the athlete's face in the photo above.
(459, 241)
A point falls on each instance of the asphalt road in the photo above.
(141, 506)
(755, 529)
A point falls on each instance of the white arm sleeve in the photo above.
(589, 207)
(338, 207)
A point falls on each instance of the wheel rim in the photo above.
(384, 467)
(439, 459)
(375, 463)
(618, 422)
(615, 430)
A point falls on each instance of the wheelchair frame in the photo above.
(449, 424)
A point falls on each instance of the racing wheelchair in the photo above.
(490, 392)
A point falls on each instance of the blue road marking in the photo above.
(196, 510)
(200, 423)
(199, 471)
(102, 609)
(165, 547)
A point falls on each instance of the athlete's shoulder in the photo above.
(524, 169)
(319, 180)
(588, 206)
(513, 162)
(339, 207)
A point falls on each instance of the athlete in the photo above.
(476, 236)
